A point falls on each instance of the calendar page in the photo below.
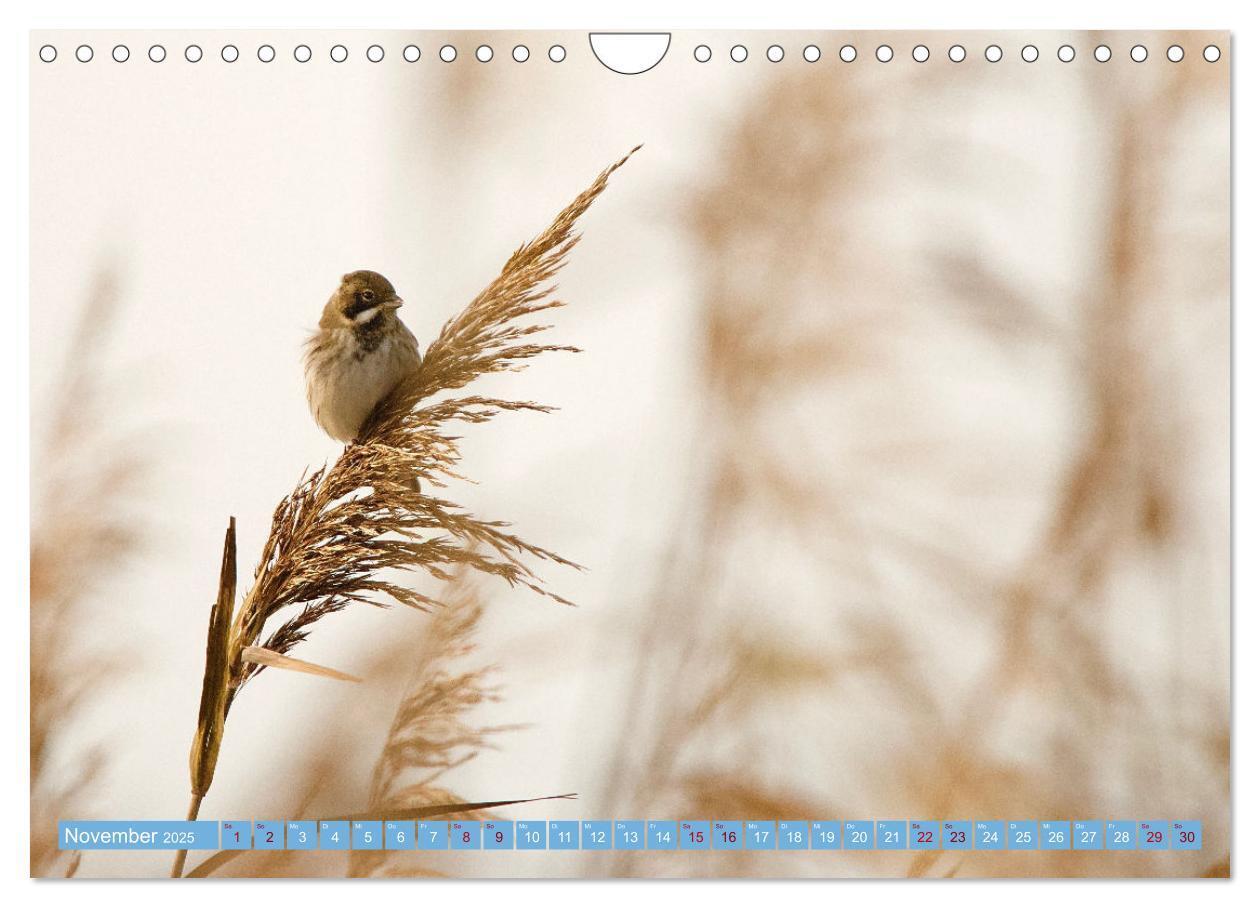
(670, 454)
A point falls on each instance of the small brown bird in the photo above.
(359, 354)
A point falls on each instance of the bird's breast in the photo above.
(345, 382)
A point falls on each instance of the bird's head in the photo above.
(364, 299)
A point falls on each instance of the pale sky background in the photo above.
(230, 199)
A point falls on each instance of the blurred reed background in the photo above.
(898, 456)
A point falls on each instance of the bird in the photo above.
(359, 354)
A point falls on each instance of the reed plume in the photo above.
(431, 732)
(333, 538)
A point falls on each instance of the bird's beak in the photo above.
(392, 303)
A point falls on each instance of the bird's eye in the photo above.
(367, 296)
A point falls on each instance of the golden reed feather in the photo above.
(335, 535)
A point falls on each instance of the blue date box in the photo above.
(1056, 835)
(989, 835)
(531, 835)
(1021, 835)
(562, 835)
(824, 835)
(596, 835)
(269, 835)
(890, 835)
(301, 835)
(1087, 835)
(1187, 835)
(433, 835)
(662, 835)
(956, 835)
(466, 835)
(759, 835)
(1121, 835)
(694, 835)
(400, 835)
(334, 835)
(728, 835)
(234, 835)
(629, 835)
(925, 835)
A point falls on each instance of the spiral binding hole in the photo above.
(157, 53)
(848, 53)
(703, 53)
(266, 53)
(411, 53)
(957, 53)
(1067, 53)
(774, 53)
(556, 53)
(302, 53)
(229, 53)
(48, 53)
(920, 53)
(375, 53)
(811, 53)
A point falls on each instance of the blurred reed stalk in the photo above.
(333, 537)
(82, 532)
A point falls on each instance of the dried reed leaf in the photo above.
(214, 686)
(260, 656)
(219, 859)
